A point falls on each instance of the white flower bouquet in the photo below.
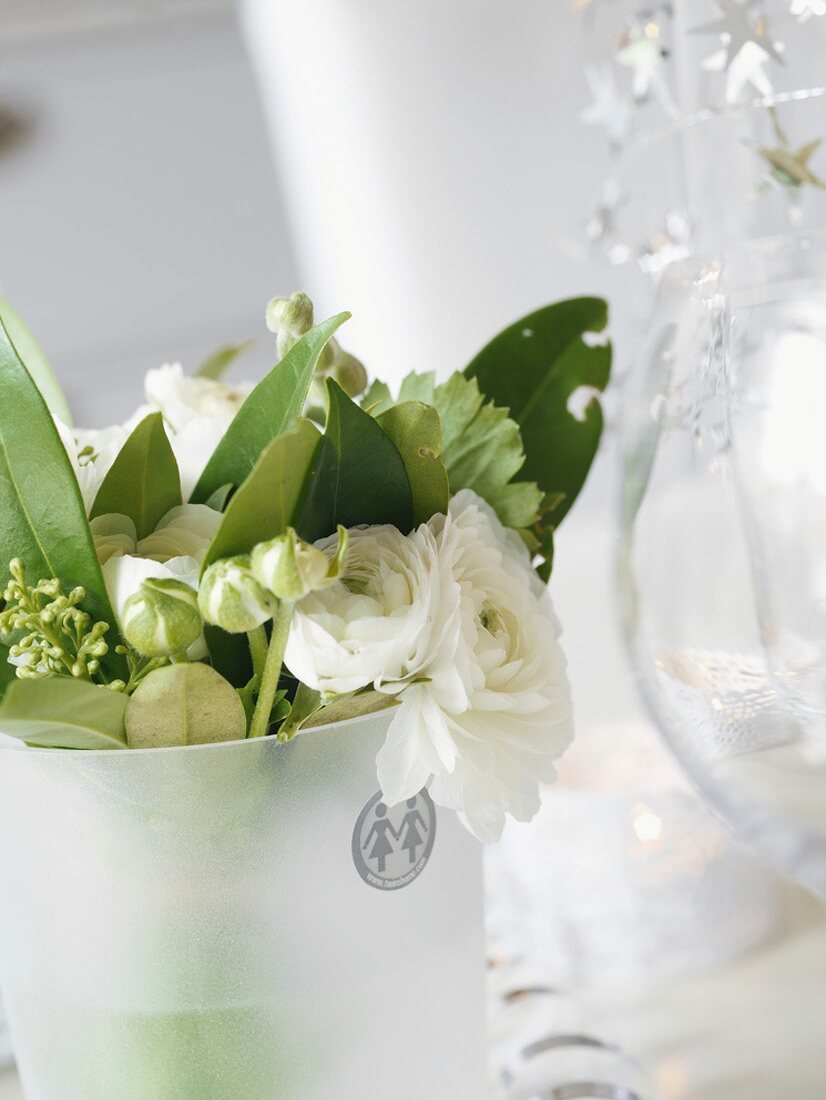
(234, 566)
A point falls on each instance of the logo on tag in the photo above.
(391, 845)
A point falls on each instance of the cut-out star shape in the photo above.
(790, 167)
(738, 30)
(805, 9)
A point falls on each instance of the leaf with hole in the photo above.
(535, 367)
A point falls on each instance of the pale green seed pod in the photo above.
(289, 318)
(184, 704)
(162, 618)
(291, 568)
(231, 597)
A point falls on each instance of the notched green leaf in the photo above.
(535, 367)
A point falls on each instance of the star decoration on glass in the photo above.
(791, 167)
(805, 9)
(747, 68)
(738, 30)
(645, 57)
(610, 107)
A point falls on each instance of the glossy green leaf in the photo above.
(415, 430)
(61, 713)
(36, 362)
(44, 519)
(272, 407)
(534, 367)
(357, 476)
(216, 366)
(264, 506)
(143, 482)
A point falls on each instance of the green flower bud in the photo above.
(162, 618)
(289, 319)
(290, 568)
(185, 704)
(230, 597)
(349, 372)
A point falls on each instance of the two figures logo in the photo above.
(391, 846)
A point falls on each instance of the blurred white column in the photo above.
(432, 154)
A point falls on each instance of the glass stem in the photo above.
(272, 669)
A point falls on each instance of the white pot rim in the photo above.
(9, 744)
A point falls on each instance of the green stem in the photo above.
(258, 649)
(272, 669)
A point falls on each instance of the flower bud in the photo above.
(230, 597)
(162, 618)
(289, 319)
(349, 372)
(291, 568)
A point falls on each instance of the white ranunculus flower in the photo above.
(92, 454)
(197, 412)
(393, 618)
(453, 621)
(182, 398)
(176, 549)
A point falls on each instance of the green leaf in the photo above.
(481, 446)
(229, 654)
(216, 366)
(377, 398)
(7, 670)
(36, 362)
(533, 368)
(272, 407)
(351, 706)
(482, 451)
(143, 482)
(217, 501)
(416, 431)
(43, 517)
(264, 506)
(357, 476)
(61, 713)
(304, 706)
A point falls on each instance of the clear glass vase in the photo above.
(724, 501)
(222, 921)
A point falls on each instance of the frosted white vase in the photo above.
(225, 922)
